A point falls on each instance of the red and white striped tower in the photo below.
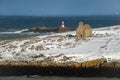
(62, 25)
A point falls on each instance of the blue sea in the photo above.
(11, 26)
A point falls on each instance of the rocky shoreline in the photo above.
(94, 68)
(46, 30)
(60, 55)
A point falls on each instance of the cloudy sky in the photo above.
(59, 7)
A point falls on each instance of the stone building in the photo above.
(83, 31)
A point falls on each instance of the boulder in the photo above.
(63, 29)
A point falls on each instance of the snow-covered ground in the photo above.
(105, 43)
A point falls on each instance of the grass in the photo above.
(38, 56)
(35, 39)
(32, 47)
(22, 50)
(40, 47)
(68, 43)
(60, 39)
(12, 46)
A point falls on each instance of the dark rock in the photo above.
(63, 29)
(93, 68)
(71, 35)
(45, 29)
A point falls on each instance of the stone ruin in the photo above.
(83, 31)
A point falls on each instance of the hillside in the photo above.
(60, 48)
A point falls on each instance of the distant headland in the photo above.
(44, 29)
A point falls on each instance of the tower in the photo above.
(62, 25)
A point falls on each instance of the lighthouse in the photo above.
(62, 24)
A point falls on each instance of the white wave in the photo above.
(14, 32)
(20, 31)
(7, 32)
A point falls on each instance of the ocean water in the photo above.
(11, 26)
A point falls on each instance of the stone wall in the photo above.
(83, 31)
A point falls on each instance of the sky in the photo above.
(59, 7)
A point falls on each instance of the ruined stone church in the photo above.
(83, 31)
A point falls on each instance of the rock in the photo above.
(93, 68)
(83, 31)
(45, 29)
(93, 63)
(37, 29)
(63, 29)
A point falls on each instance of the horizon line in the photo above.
(60, 15)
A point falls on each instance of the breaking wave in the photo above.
(13, 32)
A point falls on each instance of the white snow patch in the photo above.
(104, 44)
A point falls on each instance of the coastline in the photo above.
(93, 68)
(60, 55)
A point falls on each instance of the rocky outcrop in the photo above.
(63, 29)
(93, 68)
(83, 31)
(40, 29)
(45, 29)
